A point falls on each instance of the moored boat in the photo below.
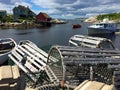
(76, 26)
(102, 27)
(6, 46)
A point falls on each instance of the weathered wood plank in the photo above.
(41, 52)
(36, 54)
(31, 67)
(64, 53)
(81, 60)
(79, 49)
(42, 63)
(114, 66)
(18, 56)
(19, 64)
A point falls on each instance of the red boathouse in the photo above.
(43, 19)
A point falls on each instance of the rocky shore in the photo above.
(16, 25)
(94, 19)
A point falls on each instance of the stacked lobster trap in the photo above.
(66, 66)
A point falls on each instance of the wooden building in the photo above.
(43, 19)
(3, 13)
(22, 12)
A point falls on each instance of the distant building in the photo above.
(3, 13)
(22, 12)
(42, 17)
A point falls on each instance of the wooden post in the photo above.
(91, 73)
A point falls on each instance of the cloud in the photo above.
(78, 7)
(46, 3)
(8, 5)
(9, 2)
(66, 8)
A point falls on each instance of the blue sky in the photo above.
(65, 8)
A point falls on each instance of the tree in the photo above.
(8, 18)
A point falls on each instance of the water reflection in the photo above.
(23, 33)
(43, 29)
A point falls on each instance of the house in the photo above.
(43, 19)
(22, 12)
(3, 13)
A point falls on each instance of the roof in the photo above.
(46, 15)
(2, 10)
(24, 8)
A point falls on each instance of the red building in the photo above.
(42, 17)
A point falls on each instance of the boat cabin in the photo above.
(91, 42)
(104, 26)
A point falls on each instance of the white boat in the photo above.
(91, 42)
(6, 46)
(102, 27)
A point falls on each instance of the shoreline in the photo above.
(24, 25)
(94, 19)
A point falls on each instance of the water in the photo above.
(58, 34)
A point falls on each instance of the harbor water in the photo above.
(57, 34)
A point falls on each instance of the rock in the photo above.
(91, 19)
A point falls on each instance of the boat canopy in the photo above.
(92, 42)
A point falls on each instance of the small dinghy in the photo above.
(74, 26)
(6, 45)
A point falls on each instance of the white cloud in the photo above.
(6, 7)
(65, 8)
(9, 7)
(46, 3)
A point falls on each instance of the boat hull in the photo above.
(94, 31)
(6, 46)
(76, 26)
(3, 58)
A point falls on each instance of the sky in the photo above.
(66, 9)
